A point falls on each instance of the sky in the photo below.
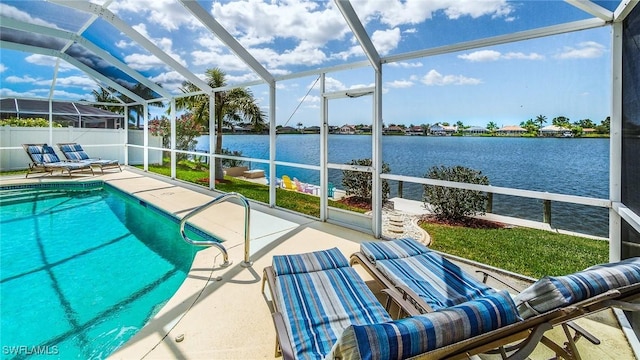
(562, 75)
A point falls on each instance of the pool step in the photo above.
(12, 197)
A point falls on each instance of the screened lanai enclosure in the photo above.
(351, 67)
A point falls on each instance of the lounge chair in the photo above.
(323, 309)
(431, 282)
(315, 297)
(44, 159)
(302, 187)
(287, 183)
(75, 152)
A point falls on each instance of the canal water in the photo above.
(571, 166)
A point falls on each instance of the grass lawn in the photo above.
(292, 200)
(531, 252)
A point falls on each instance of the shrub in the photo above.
(28, 122)
(451, 203)
(358, 183)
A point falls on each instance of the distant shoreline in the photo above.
(592, 136)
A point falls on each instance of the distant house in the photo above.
(347, 130)
(588, 131)
(475, 130)
(511, 130)
(442, 130)
(553, 130)
(364, 130)
(311, 130)
(415, 130)
(395, 130)
(287, 130)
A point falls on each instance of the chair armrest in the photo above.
(415, 299)
(404, 305)
(486, 276)
(283, 336)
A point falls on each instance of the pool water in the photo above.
(82, 271)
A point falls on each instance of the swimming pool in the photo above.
(83, 270)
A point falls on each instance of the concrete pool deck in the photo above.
(221, 313)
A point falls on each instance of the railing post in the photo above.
(546, 212)
(489, 202)
(400, 185)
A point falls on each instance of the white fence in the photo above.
(98, 143)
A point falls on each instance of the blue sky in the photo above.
(563, 75)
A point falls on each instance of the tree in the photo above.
(491, 126)
(585, 123)
(105, 96)
(541, 119)
(452, 203)
(604, 127)
(299, 126)
(531, 126)
(231, 106)
(187, 129)
(561, 121)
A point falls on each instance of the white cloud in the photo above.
(386, 40)
(143, 62)
(584, 50)
(4, 92)
(482, 55)
(171, 80)
(492, 55)
(435, 78)
(14, 13)
(399, 12)
(406, 65)
(167, 14)
(399, 84)
(50, 61)
(17, 80)
(2, 68)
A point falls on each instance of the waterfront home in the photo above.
(311, 130)
(475, 130)
(393, 130)
(511, 130)
(553, 130)
(442, 130)
(287, 130)
(415, 130)
(347, 130)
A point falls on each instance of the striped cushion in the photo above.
(309, 262)
(396, 249)
(76, 155)
(552, 292)
(411, 336)
(317, 306)
(438, 281)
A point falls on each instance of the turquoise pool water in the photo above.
(82, 271)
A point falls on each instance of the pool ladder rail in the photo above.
(224, 197)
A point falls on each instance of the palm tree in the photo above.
(231, 106)
(541, 119)
(105, 96)
(491, 126)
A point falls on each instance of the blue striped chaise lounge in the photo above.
(44, 159)
(75, 152)
(324, 310)
(432, 282)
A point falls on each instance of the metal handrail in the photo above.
(225, 255)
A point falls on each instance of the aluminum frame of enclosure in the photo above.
(601, 17)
